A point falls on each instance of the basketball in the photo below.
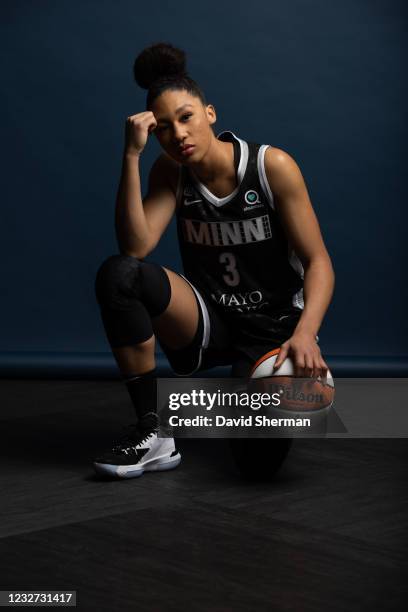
(296, 393)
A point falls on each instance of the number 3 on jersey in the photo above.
(232, 277)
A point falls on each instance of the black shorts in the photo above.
(239, 341)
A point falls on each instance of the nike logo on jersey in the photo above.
(226, 233)
(190, 194)
(188, 202)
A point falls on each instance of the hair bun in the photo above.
(158, 61)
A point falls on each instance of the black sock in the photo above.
(143, 393)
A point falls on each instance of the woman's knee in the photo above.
(123, 280)
(117, 281)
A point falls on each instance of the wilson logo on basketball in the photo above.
(296, 393)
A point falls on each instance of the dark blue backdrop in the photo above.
(324, 81)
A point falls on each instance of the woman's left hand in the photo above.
(305, 354)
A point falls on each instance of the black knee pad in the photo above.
(117, 282)
(155, 288)
(123, 281)
(129, 293)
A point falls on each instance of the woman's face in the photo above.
(183, 120)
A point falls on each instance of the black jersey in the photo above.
(234, 249)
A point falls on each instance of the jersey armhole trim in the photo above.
(262, 175)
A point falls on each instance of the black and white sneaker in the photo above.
(138, 452)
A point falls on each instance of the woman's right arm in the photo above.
(140, 222)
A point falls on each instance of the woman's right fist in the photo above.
(137, 131)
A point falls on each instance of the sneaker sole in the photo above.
(134, 471)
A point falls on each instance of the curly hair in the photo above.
(161, 67)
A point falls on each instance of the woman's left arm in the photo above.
(295, 210)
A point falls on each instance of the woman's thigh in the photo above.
(177, 325)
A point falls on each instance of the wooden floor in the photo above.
(330, 533)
